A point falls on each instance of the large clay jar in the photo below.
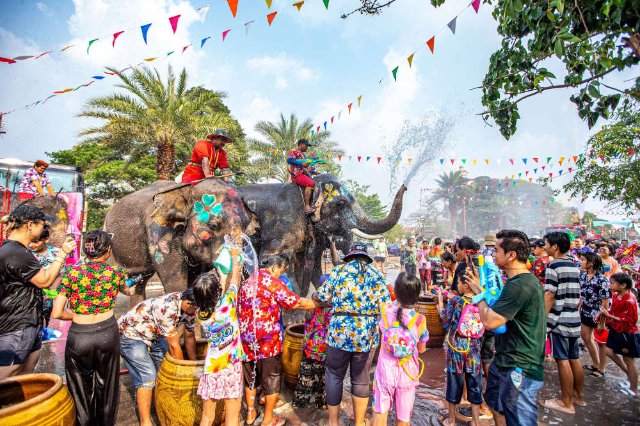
(292, 353)
(429, 308)
(176, 395)
(35, 399)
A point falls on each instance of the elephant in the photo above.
(175, 230)
(284, 227)
(54, 207)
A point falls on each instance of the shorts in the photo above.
(588, 321)
(487, 347)
(455, 387)
(564, 348)
(225, 384)
(15, 346)
(625, 344)
(359, 366)
(303, 181)
(379, 258)
(268, 374)
(516, 403)
(143, 361)
(384, 397)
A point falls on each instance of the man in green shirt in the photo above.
(516, 373)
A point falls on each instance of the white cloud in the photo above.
(256, 107)
(44, 9)
(282, 68)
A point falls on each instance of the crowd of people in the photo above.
(557, 291)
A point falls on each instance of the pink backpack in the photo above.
(470, 324)
(400, 342)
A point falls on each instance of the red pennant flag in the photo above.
(7, 60)
(431, 43)
(543, 167)
(630, 151)
(535, 159)
(575, 158)
(185, 48)
(530, 179)
(332, 119)
(551, 174)
(349, 106)
(359, 157)
(271, 17)
(452, 160)
(511, 161)
(233, 5)
(339, 157)
(379, 158)
(174, 22)
(476, 5)
(601, 157)
(526, 173)
(318, 129)
(570, 169)
(224, 34)
(115, 37)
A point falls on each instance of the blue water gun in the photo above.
(491, 284)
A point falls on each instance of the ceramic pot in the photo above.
(292, 354)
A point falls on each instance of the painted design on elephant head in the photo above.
(62, 214)
(207, 207)
(329, 192)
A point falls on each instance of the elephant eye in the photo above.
(341, 203)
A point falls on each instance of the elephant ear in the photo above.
(172, 206)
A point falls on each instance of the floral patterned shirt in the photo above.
(356, 291)
(260, 329)
(539, 267)
(91, 288)
(464, 357)
(625, 260)
(592, 292)
(410, 256)
(154, 318)
(315, 333)
(222, 329)
(26, 184)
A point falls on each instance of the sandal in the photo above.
(597, 373)
(590, 367)
(277, 421)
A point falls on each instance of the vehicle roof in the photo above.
(8, 161)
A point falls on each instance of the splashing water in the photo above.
(426, 139)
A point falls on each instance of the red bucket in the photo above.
(600, 336)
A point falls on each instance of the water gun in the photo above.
(313, 161)
(491, 285)
(435, 259)
(447, 294)
(51, 294)
(133, 280)
(392, 292)
(530, 261)
(630, 249)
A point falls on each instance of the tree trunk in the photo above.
(166, 160)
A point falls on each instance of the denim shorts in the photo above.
(143, 361)
(564, 348)
(15, 346)
(516, 402)
(455, 387)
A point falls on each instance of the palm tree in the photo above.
(269, 156)
(155, 116)
(452, 188)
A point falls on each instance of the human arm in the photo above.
(305, 303)
(59, 311)
(550, 288)
(173, 340)
(489, 317)
(549, 298)
(50, 190)
(190, 344)
(298, 162)
(205, 167)
(45, 277)
(37, 186)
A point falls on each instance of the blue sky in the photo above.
(311, 63)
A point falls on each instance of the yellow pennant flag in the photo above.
(269, 3)
(474, 161)
(409, 160)
(67, 47)
(410, 59)
(329, 155)
(151, 59)
(486, 161)
(298, 5)
(359, 100)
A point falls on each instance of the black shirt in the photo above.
(20, 301)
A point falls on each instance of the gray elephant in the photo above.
(54, 207)
(175, 230)
(286, 228)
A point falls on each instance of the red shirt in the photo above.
(626, 309)
(296, 154)
(260, 330)
(539, 267)
(204, 149)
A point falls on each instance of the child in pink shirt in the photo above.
(396, 379)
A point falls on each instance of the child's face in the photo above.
(38, 246)
(616, 287)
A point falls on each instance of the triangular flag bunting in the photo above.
(90, 43)
(431, 43)
(224, 34)
(7, 60)
(349, 107)
(153, 59)
(203, 13)
(174, 22)
(269, 3)
(526, 173)
(476, 5)
(548, 160)
(452, 25)
(409, 160)
(325, 125)
(452, 160)
(115, 37)
(394, 72)
(575, 158)
(524, 160)
(486, 161)
(185, 48)
(326, 4)
(318, 129)
(535, 159)
(170, 53)
(560, 172)
(543, 167)
(203, 41)
(98, 77)
(464, 161)
(233, 6)
(339, 157)
(378, 158)
(271, 17)
(247, 25)
(368, 158)
(530, 179)
(570, 169)
(359, 158)
(359, 97)
(630, 151)
(298, 5)
(474, 161)
(410, 59)
(67, 47)
(441, 161)
(145, 30)
(511, 161)
(42, 54)
(535, 171)
(332, 119)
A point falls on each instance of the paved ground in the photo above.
(606, 404)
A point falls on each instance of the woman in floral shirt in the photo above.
(261, 298)
(356, 292)
(92, 353)
(34, 182)
(595, 292)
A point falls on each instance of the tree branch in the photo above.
(369, 8)
(584, 24)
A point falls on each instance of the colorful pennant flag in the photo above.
(359, 97)
(224, 34)
(410, 59)
(394, 72)
(271, 17)
(452, 25)
(69, 46)
(233, 6)
(524, 160)
(326, 4)
(90, 43)
(203, 13)
(145, 30)
(7, 60)
(476, 5)
(185, 48)
(298, 5)
(431, 43)
(174, 22)
(349, 107)
(115, 37)
(247, 25)
(269, 3)
(203, 41)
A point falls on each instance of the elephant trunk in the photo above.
(380, 226)
(335, 259)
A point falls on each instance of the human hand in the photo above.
(69, 245)
(603, 311)
(472, 279)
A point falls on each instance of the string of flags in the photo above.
(428, 44)
(270, 17)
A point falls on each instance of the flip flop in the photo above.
(624, 384)
(579, 403)
(597, 374)
(589, 367)
(627, 391)
(277, 421)
(553, 404)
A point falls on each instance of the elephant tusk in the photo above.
(359, 233)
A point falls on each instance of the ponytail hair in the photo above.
(407, 289)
